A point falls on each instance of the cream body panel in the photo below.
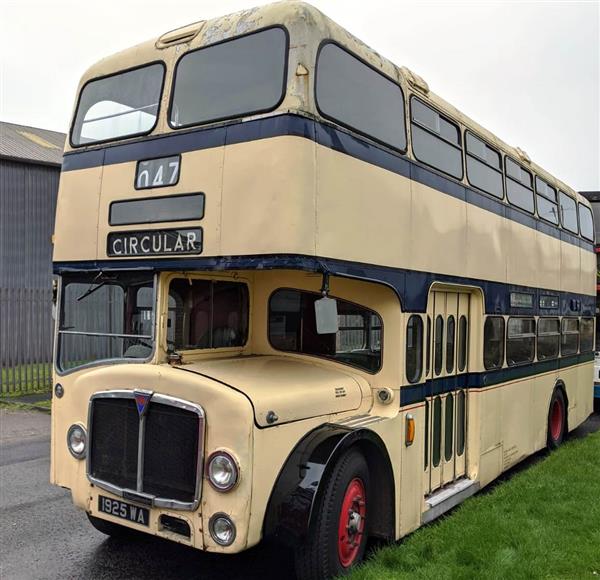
(268, 202)
(350, 222)
(547, 262)
(515, 417)
(570, 268)
(76, 227)
(484, 230)
(293, 389)
(520, 254)
(438, 231)
(588, 272)
(200, 171)
(410, 495)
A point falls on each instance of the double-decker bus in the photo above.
(301, 296)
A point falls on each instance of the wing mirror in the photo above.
(326, 314)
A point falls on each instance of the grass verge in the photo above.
(25, 379)
(44, 406)
(542, 523)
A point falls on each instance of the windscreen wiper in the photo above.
(90, 290)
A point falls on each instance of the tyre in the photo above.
(340, 533)
(111, 529)
(557, 419)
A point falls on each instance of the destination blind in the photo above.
(155, 242)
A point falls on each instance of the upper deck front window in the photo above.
(242, 76)
(120, 105)
(360, 97)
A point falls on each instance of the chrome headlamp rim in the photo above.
(234, 464)
(77, 427)
(213, 534)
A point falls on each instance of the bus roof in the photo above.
(307, 27)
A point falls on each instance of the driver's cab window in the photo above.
(207, 314)
(292, 327)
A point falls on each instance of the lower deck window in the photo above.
(493, 342)
(569, 342)
(292, 328)
(548, 338)
(520, 341)
(586, 335)
(414, 346)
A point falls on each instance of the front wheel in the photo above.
(557, 419)
(340, 533)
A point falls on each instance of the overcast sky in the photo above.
(527, 71)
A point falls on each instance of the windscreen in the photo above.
(105, 316)
(240, 76)
(120, 105)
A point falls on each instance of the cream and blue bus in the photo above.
(302, 297)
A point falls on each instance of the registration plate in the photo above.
(124, 510)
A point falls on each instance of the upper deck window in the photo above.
(568, 212)
(435, 139)
(357, 96)
(546, 201)
(586, 221)
(519, 186)
(292, 328)
(484, 168)
(242, 76)
(120, 105)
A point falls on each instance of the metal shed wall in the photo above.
(27, 206)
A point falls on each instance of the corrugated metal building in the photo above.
(30, 160)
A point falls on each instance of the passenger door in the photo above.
(446, 397)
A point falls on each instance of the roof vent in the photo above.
(180, 35)
(415, 80)
(523, 156)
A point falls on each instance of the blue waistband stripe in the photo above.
(412, 287)
(414, 394)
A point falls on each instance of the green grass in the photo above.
(44, 406)
(25, 379)
(542, 523)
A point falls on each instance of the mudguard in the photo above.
(291, 513)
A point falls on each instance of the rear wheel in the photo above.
(557, 419)
(340, 532)
(110, 528)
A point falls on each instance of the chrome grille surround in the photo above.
(138, 495)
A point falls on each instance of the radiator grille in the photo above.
(114, 441)
(171, 448)
(171, 452)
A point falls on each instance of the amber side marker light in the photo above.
(410, 430)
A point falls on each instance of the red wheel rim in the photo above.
(556, 420)
(352, 522)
